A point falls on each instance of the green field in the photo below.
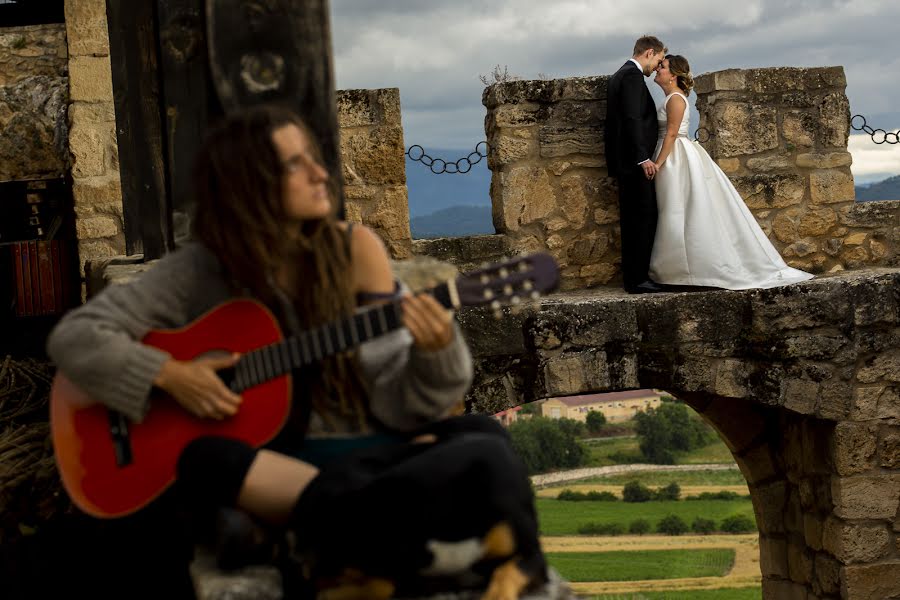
(558, 517)
(616, 451)
(641, 565)
(720, 594)
(683, 478)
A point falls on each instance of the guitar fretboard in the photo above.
(274, 360)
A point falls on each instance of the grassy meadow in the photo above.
(642, 565)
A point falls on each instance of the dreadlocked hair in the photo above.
(240, 217)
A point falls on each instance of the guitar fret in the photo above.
(304, 339)
(254, 373)
(382, 321)
(277, 368)
(295, 352)
(317, 349)
(342, 343)
(367, 324)
(354, 334)
(266, 364)
(329, 349)
(285, 357)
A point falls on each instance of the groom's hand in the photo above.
(650, 168)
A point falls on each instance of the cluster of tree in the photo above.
(548, 444)
(637, 492)
(669, 429)
(673, 525)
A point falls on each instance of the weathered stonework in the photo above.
(34, 93)
(373, 158)
(783, 133)
(801, 383)
(780, 135)
(372, 147)
(92, 133)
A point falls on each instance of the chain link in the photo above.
(439, 165)
(889, 137)
(706, 135)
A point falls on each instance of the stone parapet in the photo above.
(781, 136)
(373, 159)
(32, 50)
(801, 383)
(549, 188)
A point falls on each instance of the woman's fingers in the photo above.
(428, 321)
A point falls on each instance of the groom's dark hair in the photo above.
(648, 42)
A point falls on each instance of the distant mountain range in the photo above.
(454, 221)
(887, 189)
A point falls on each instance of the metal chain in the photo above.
(706, 132)
(889, 137)
(439, 165)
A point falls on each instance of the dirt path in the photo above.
(576, 474)
(745, 572)
(687, 490)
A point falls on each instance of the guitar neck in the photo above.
(308, 347)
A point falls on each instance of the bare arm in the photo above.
(674, 114)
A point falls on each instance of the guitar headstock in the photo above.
(510, 282)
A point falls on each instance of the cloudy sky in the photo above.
(435, 51)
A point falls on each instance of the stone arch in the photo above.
(802, 383)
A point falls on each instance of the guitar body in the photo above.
(80, 427)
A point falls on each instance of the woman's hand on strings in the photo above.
(197, 387)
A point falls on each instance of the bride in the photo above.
(706, 235)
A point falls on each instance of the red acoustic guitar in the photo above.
(111, 467)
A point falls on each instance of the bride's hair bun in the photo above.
(679, 66)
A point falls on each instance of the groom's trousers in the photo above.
(637, 220)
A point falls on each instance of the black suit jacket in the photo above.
(631, 126)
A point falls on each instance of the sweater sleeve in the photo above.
(97, 346)
(412, 387)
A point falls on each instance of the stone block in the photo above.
(869, 215)
(867, 582)
(800, 564)
(757, 464)
(824, 160)
(33, 129)
(834, 120)
(773, 560)
(799, 395)
(86, 28)
(582, 113)
(798, 128)
(766, 164)
(598, 274)
(855, 445)
(769, 502)
(561, 166)
(866, 496)
(506, 150)
(743, 129)
(812, 531)
(365, 108)
(97, 227)
(88, 143)
(890, 450)
(587, 250)
(829, 186)
(98, 193)
(882, 367)
(817, 221)
(558, 141)
(865, 402)
(828, 573)
(576, 373)
(856, 543)
(761, 192)
(527, 196)
(783, 590)
(854, 257)
(375, 157)
(390, 219)
(577, 192)
(90, 79)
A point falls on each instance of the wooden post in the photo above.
(133, 56)
(278, 50)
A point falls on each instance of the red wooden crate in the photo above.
(43, 278)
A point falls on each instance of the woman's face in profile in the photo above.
(304, 180)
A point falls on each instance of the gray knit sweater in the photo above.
(97, 347)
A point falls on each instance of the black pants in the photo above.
(143, 556)
(637, 216)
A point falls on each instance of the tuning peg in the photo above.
(535, 295)
(498, 313)
(488, 294)
(516, 305)
(503, 272)
(507, 290)
(527, 285)
(485, 279)
(523, 266)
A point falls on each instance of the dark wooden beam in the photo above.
(188, 99)
(278, 50)
(133, 55)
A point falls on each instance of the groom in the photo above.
(630, 136)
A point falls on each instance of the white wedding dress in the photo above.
(706, 235)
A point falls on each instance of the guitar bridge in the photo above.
(118, 431)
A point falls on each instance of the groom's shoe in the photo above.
(646, 287)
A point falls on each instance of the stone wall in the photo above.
(550, 189)
(92, 134)
(371, 147)
(373, 158)
(780, 135)
(33, 98)
(802, 383)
